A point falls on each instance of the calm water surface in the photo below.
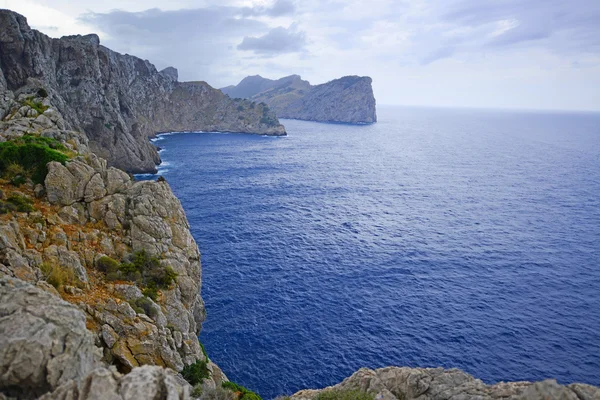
(454, 238)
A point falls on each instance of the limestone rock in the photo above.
(43, 340)
(146, 382)
(348, 99)
(117, 100)
(395, 383)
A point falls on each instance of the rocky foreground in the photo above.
(117, 100)
(100, 277)
(346, 100)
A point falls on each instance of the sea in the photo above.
(455, 238)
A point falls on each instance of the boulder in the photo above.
(43, 341)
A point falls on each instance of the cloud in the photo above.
(556, 25)
(276, 41)
(277, 9)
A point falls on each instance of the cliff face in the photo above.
(349, 99)
(117, 100)
(75, 310)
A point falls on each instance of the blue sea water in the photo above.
(436, 237)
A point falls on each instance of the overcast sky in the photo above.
(536, 54)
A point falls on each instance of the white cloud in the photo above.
(525, 53)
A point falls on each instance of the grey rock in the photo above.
(146, 382)
(60, 255)
(39, 191)
(170, 73)
(348, 99)
(395, 383)
(43, 340)
(117, 100)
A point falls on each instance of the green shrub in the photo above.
(57, 276)
(39, 107)
(42, 93)
(196, 372)
(147, 270)
(107, 265)
(145, 305)
(16, 174)
(32, 154)
(240, 108)
(196, 391)
(20, 203)
(244, 394)
(203, 350)
(151, 292)
(344, 395)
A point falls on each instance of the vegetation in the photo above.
(27, 157)
(16, 202)
(212, 394)
(344, 395)
(196, 372)
(39, 107)
(143, 305)
(144, 270)
(241, 392)
(240, 108)
(57, 276)
(266, 118)
(42, 93)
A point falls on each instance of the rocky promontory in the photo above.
(117, 100)
(100, 277)
(346, 100)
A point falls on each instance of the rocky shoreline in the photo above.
(100, 277)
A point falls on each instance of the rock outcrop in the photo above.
(117, 100)
(348, 100)
(60, 315)
(43, 341)
(395, 383)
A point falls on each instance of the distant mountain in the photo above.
(349, 99)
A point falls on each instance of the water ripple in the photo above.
(461, 238)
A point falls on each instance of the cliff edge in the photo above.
(346, 100)
(118, 100)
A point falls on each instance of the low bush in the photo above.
(20, 202)
(143, 305)
(57, 276)
(151, 292)
(32, 154)
(107, 265)
(196, 372)
(241, 392)
(344, 395)
(16, 174)
(39, 107)
(147, 271)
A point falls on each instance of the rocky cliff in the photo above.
(117, 100)
(100, 280)
(99, 274)
(348, 100)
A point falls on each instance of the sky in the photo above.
(516, 54)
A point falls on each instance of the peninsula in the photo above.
(346, 100)
(100, 277)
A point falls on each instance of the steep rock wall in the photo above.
(117, 100)
(347, 100)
